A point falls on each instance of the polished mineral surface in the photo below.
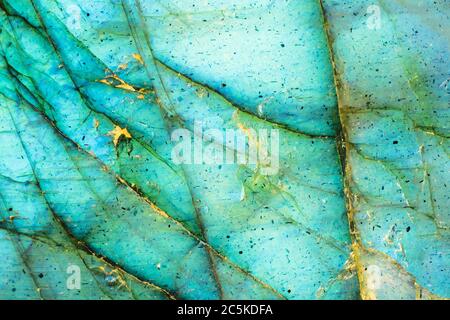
(93, 204)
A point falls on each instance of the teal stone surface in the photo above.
(351, 201)
(395, 109)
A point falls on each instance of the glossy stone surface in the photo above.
(395, 109)
(92, 91)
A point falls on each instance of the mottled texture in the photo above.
(91, 92)
(395, 109)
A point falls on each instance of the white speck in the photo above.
(242, 193)
(260, 109)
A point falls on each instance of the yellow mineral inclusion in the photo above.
(158, 210)
(118, 132)
(112, 79)
(125, 86)
(138, 57)
(105, 81)
(248, 132)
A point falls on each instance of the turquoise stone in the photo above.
(345, 105)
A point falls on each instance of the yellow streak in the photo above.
(118, 132)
